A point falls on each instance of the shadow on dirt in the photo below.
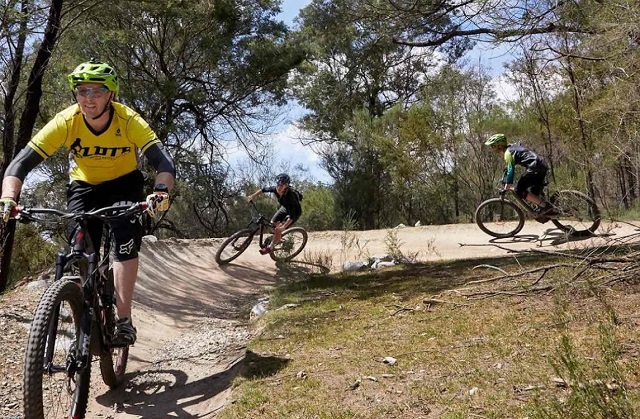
(258, 366)
(169, 276)
(551, 237)
(168, 392)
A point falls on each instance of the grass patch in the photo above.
(567, 353)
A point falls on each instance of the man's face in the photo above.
(281, 189)
(92, 98)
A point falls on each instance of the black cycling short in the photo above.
(531, 182)
(127, 189)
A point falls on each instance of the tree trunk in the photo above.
(31, 108)
(584, 136)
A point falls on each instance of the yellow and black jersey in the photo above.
(96, 157)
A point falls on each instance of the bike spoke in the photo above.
(576, 212)
(291, 244)
(499, 218)
(234, 246)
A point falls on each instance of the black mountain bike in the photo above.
(293, 241)
(74, 320)
(575, 213)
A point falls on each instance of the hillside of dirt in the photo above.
(192, 315)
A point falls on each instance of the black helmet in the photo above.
(283, 179)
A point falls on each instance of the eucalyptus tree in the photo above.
(470, 21)
(354, 65)
(583, 88)
(29, 31)
(207, 76)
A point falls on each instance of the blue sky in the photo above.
(290, 9)
(289, 148)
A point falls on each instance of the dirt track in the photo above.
(191, 314)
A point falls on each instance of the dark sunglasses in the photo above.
(85, 91)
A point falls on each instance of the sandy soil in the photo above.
(191, 314)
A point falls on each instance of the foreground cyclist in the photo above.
(288, 213)
(531, 182)
(102, 137)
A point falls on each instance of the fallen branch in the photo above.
(523, 293)
(430, 301)
(545, 269)
(400, 309)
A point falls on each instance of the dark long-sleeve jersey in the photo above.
(289, 200)
(517, 155)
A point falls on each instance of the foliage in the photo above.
(318, 208)
(397, 116)
(32, 253)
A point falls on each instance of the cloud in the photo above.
(505, 90)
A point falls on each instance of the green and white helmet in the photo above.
(497, 139)
(95, 72)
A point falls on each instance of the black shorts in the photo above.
(531, 182)
(281, 216)
(127, 189)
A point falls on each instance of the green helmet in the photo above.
(497, 139)
(95, 72)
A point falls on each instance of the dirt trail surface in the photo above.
(192, 314)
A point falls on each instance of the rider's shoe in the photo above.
(125, 333)
(549, 212)
(265, 250)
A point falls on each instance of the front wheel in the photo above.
(233, 246)
(51, 387)
(291, 244)
(499, 218)
(578, 214)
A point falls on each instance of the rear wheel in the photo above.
(499, 218)
(233, 246)
(49, 390)
(113, 361)
(292, 243)
(578, 214)
(113, 366)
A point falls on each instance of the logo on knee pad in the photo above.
(126, 248)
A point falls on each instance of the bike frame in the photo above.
(525, 205)
(520, 202)
(260, 223)
(92, 278)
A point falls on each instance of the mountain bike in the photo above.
(293, 241)
(74, 320)
(573, 212)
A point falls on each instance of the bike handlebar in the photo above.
(25, 215)
(259, 217)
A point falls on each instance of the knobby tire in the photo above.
(579, 215)
(113, 362)
(498, 212)
(62, 302)
(293, 241)
(234, 246)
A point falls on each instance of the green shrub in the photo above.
(31, 253)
